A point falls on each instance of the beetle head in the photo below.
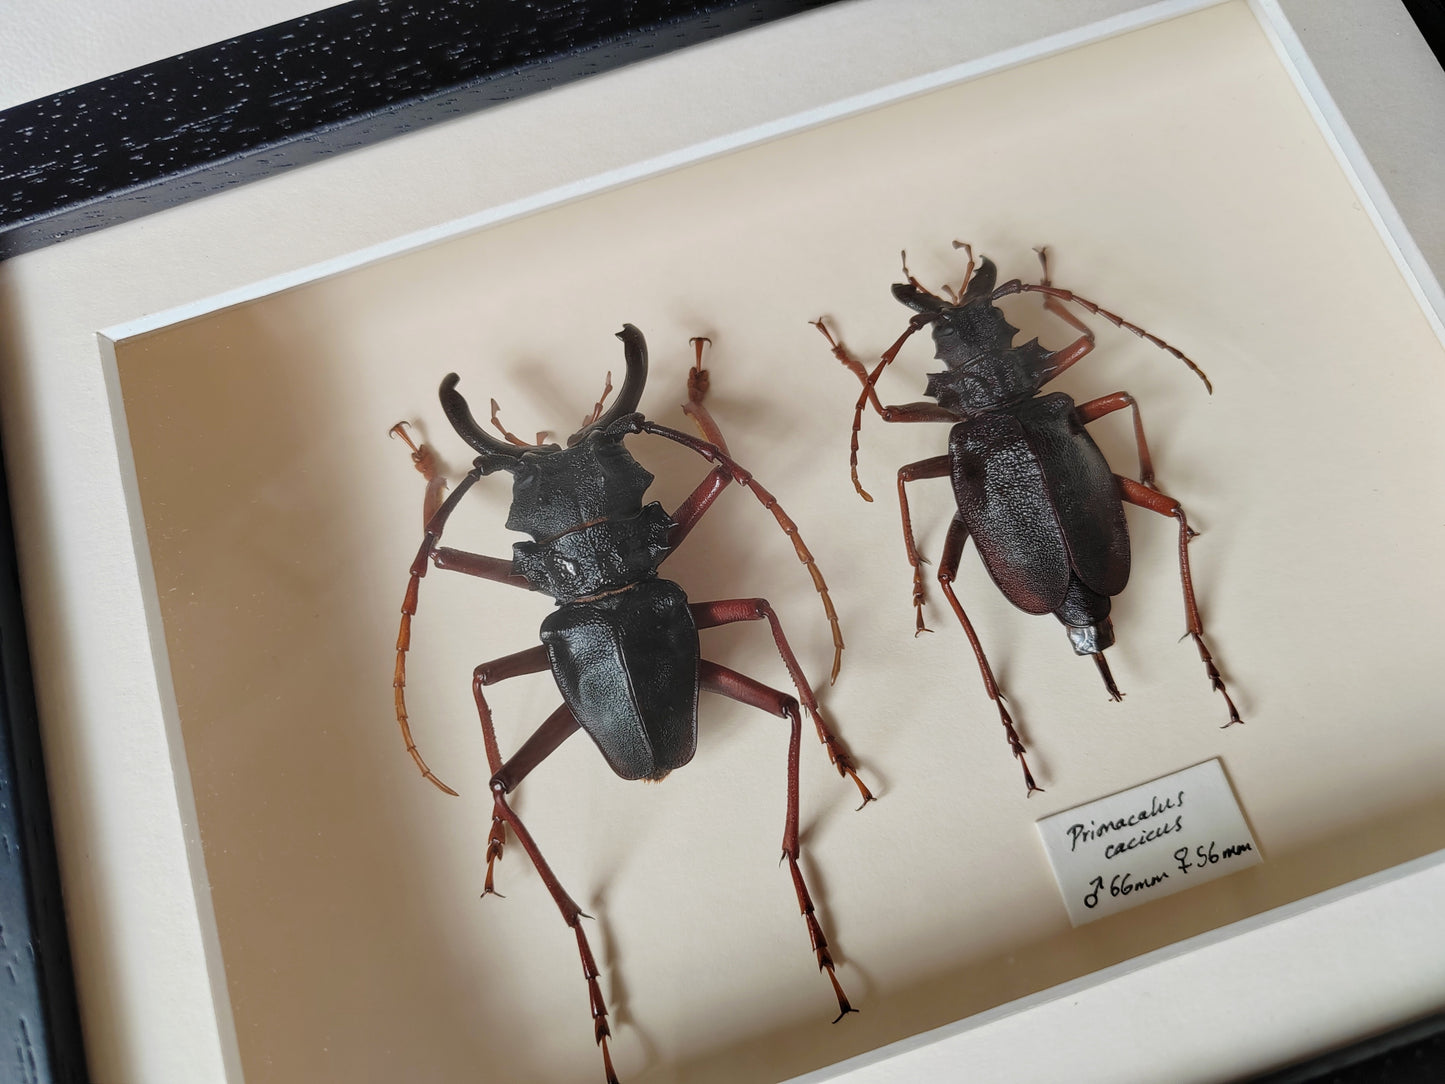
(556, 488)
(968, 328)
(974, 340)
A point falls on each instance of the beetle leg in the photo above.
(740, 687)
(698, 385)
(718, 479)
(922, 411)
(1152, 499)
(497, 569)
(852, 364)
(708, 615)
(425, 461)
(531, 661)
(908, 412)
(948, 568)
(713, 454)
(596, 410)
(938, 466)
(559, 726)
(1107, 404)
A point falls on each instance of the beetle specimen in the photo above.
(1031, 487)
(622, 643)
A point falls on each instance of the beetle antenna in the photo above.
(634, 348)
(435, 522)
(914, 324)
(597, 410)
(1017, 286)
(454, 405)
(713, 454)
(512, 438)
(967, 271)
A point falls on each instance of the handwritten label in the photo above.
(1147, 842)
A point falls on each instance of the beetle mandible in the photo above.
(1032, 489)
(622, 643)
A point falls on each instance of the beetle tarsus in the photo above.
(1216, 681)
(1016, 747)
(594, 995)
(839, 757)
(1030, 787)
(815, 931)
(1104, 672)
(496, 842)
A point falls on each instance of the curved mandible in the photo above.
(635, 350)
(460, 415)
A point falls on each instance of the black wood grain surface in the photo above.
(40, 1040)
(155, 136)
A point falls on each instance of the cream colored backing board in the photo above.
(1177, 179)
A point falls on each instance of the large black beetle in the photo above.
(1031, 487)
(622, 643)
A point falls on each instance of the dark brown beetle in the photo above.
(622, 643)
(1032, 489)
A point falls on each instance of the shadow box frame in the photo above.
(152, 987)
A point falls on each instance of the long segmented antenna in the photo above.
(597, 410)
(713, 454)
(512, 438)
(1018, 286)
(967, 271)
(436, 520)
(923, 319)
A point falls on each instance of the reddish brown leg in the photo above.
(1152, 499)
(948, 568)
(1066, 356)
(937, 467)
(923, 411)
(730, 683)
(713, 454)
(911, 412)
(711, 614)
(1107, 404)
(698, 385)
(531, 661)
(718, 479)
(558, 727)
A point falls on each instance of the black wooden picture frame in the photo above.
(114, 150)
(347, 76)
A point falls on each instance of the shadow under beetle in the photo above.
(622, 643)
(1031, 487)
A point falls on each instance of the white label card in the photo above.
(1147, 842)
